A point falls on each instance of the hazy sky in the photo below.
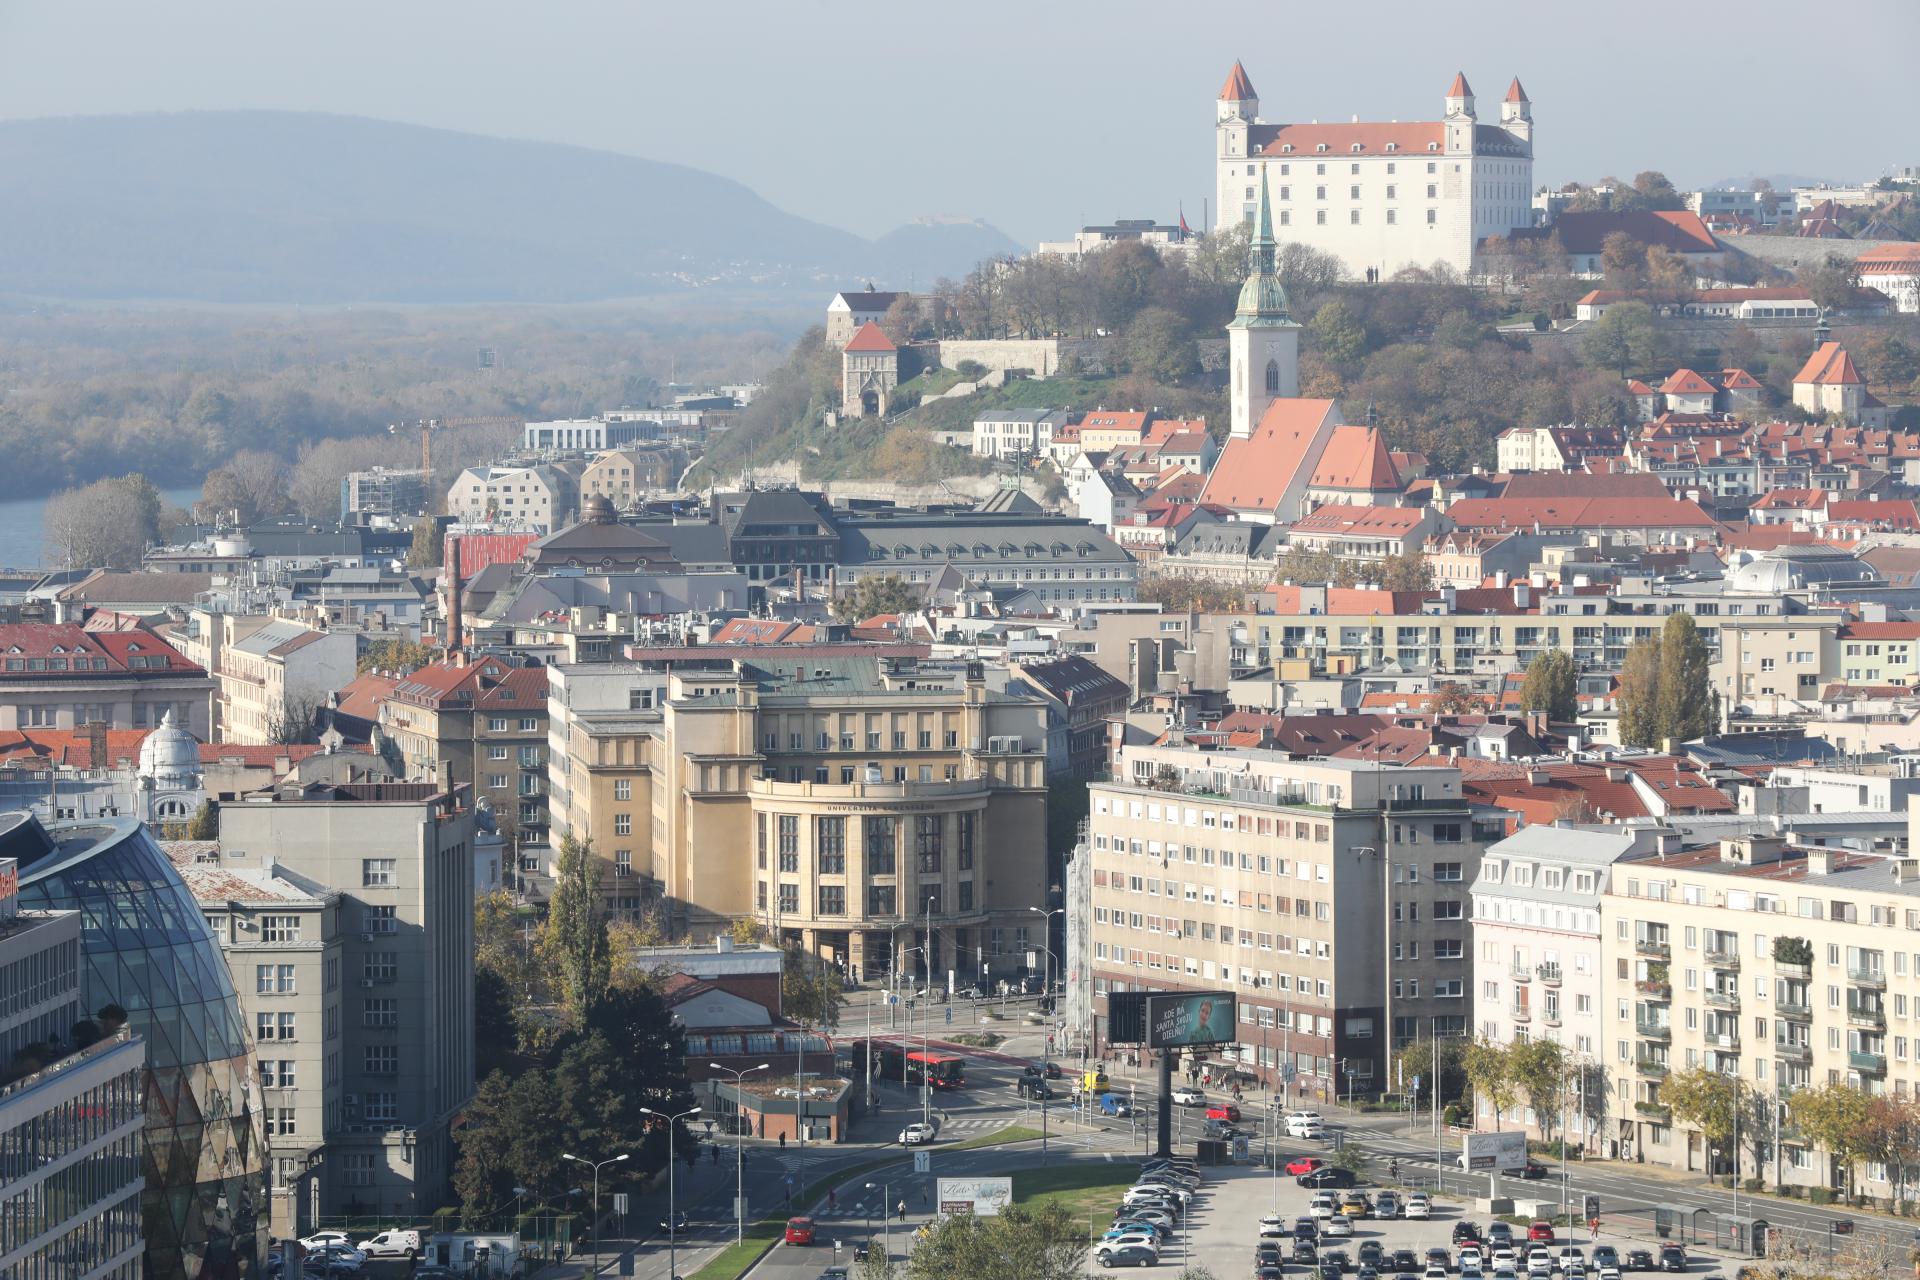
(1037, 115)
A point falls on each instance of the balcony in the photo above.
(1788, 1051)
(1551, 1017)
(1723, 1000)
(1729, 1040)
(1723, 959)
(1798, 1010)
(1874, 1064)
(1520, 972)
(1861, 1016)
(1788, 969)
(1653, 948)
(1651, 1068)
(1656, 1111)
(1875, 978)
(1653, 1031)
(1520, 1013)
(1661, 991)
(1549, 974)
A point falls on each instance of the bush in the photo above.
(1821, 1195)
(1788, 950)
(971, 370)
(1754, 1185)
(1451, 1114)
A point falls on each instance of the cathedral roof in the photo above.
(870, 338)
(1356, 458)
(1461, 89)
(1829, 365)
(1237, 88)
(1255, 473)
(1515, 93)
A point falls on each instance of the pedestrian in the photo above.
(902, 1210)
(783, 1142)
(833, 1200)
(715, 1148)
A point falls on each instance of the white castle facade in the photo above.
(1379, 196)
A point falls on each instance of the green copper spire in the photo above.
(1263, 299)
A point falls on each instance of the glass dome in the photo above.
(147, 949)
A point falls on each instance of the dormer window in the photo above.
(1433, 146)
(1286, 146)
(1320, 147)
(1393, 146)
(1356, 148)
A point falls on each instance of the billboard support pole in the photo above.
(1164, 1105)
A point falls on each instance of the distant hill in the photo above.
(257, 206)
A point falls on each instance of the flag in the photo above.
(1185, 230)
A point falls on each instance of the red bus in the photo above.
(941, 1070)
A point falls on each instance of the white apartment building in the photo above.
(537, 498)
(1536, 968)
(1011, 433)
(1380, 196)
(270, 671)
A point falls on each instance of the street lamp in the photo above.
(886, 1232)
(1053, 1007)
(673, 1224)
(596, 1167)
(926, 1027)
(739, 1153)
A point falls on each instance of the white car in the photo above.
(321, 1239)
(1305, 1128)
(1539, 1265)
(392, 1244)
(1436, 1272)
(1304, 1115)
(1339, 1225)
(1130, 1238)
(1323, 1206)
(1418, 1206)
(1162, 1189)
(916, 1133)
(1188, 1096)
(1272, 1227)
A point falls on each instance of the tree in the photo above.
(810, 990)
(1623, 262)
(1638, 697)
(297, 721)
(395, 655)
(1539, 1069)
(106, 525)
(1158, 345)
(1180, 594)
(1550, 686)
(1490, 1070)
(1836, 1116)
(206, 822)
(1713, 1103)
(872, 596)
(1832, 284)
(427, 549)
(1047, 1243)
(1454, 699)
(1625, 339)
(1892, 1138)
(576, 943)
(1685, 696)
(1417, 1063)
(1338, 334)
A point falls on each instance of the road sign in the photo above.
(739, 1208)
(922, 1161)
(620, 1203)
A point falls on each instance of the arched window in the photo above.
(1273, 377)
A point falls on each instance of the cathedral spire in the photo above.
(1263, 300)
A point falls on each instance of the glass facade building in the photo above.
(145, 946)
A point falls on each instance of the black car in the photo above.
(1406, 1260)
(1638, 1260)
(1053, 1071)
(1306, 1229)
(1442, 1258)
(1266, 1273)
(1267, 1255)
(1336, 1258)
(1327, 1176)
(1328, 1271)
(1033, 1087)
(1371, 1254)
(1031, 1070)
(1533, 1169)
(1128, 1255)
(1673, 1258)
(1464, 1231)
(1304, 1254)
(1366, 1273)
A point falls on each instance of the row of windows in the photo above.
(1353, 217)
(61, 1130)
(87, 1247)
(50, 973)
(848, 741)
(882, 899)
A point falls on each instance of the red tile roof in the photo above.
(1254, 474)
(1889, 259)
(70, 748)
(1685, 382)
(257, 757)
(1349, 600)
(1341, 517)
(1515, 93)
(765, 631)
(869, 337)
(104, 653)
(1579, 513)
(1885, 515)
(1880, 631)
(479, 682)
(1238, 87)
(361, 698)
(1831, 366)
(1340, 139)
(1459, 88)
(1356, 458)
(1586, 231)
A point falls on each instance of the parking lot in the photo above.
(1221, 1231)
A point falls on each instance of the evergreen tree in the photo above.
(1550, 686)
(425, 553)
(1685, 698)
(206, 822)
(1639, 695)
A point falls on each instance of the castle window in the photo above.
(1433, 146)
(1286, 193)
(1285, 169)
(1286, 146)
(1391, 220)
(1353, 192)
(1392, 146)
(1390, 191)
(1320, 217)
(1355, 148)
(1321, 146)
(1273, 377)
(1249, 193)
(1286, 217)
(1249, 171)
(1432, 167)
(1433, 216)
(1433, 191)
(1353, 216)
(1319, 193)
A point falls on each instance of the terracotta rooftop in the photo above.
(1829, 365)
(870, 337)
(1238, 87)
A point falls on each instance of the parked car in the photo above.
(1339, 1226)
(1540, 1229)
(1370, 1254)
(916, 1133)
(1305, 1164)
(1356, 1204)
(1604, 1256)
(1304, 1252)
(1387, 1205)
(799, 1231)
(1464, 1231)
(1405, 1260)
(1127, 1255)
(1499, 1233)
(1188, 1096)
(1273, 1227)
(1339, 1259)
(1419, 1207)
(1441, 1257)
(1673, 1258)
(1328, 1176)
(1267, 1254)
(392, 1244)
(1638, 1260)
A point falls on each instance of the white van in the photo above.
(392, 1244)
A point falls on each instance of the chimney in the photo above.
(97, 744)
(453, 636)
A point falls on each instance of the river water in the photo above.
(21, 520)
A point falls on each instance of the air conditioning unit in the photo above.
(366, 937)
(366, 984)
(352, 1099)
(396, 1128)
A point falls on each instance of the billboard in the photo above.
(1193, 1018)
(1505, 1151)
(982, 1197)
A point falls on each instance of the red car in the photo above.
(1540, 1229)
(1224, 1111)
(1305, 1164)
(799, 1231)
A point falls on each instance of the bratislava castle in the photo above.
(1380, 196)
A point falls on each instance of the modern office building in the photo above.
(70, 1109)
(145, 948)
(392, 864)
(1330, 895)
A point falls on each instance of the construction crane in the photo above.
(427, 427)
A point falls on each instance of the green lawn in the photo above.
(737, 1259)
(1085, 1191)
(1012, 1133)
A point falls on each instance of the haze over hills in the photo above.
(260, 206)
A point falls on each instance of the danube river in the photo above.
(20, 526)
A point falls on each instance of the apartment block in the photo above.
(1331, 895)
(280, 935)
(478, 720)
(377, 880)
(1786, 966)
(273, 673)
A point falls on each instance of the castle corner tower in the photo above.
(1263, 342)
